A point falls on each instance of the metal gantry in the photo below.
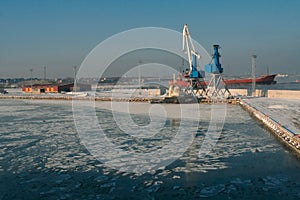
(216, 88)
(192, 82)
(194, 77)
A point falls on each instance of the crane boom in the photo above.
(188, 46)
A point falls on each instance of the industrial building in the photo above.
(55, 88)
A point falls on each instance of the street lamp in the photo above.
(75, 81)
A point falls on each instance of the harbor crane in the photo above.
(189, 48)
(216, 88)
(193, 82)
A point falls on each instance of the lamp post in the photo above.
(75, 81)
(139, 71)
(31, 79)
(45, 70)
(253, 74)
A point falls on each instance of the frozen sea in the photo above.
(42, 156)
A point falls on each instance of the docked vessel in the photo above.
(265, 79)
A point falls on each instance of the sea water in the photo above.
(43, 157)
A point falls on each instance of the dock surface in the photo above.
(280, 116)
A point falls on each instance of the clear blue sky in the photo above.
(60, 33)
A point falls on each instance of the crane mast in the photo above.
(216, 89)
(189, 48)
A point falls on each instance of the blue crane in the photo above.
(215, 67)
(189, 48)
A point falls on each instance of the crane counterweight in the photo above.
(216, 66)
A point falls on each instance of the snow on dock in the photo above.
(281, 116)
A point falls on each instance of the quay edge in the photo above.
(285, 135)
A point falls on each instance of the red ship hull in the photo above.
(266, 79)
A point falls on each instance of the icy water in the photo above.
(41, 157)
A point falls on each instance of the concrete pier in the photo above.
(284, 134)
(62, 97)
(120, 99)
(283, 94)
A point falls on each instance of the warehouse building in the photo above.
(55, 88)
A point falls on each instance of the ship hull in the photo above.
(262, 80)
(266, 80)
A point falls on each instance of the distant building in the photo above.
(55, 88)
(70, 87)
(2, 90)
